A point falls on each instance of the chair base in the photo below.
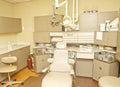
(10, 83)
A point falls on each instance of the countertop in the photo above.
(11, 47)
(87, 53)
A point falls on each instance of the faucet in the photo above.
(9, 46)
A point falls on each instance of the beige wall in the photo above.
(100, 5)
(28, 10)
(6, 9)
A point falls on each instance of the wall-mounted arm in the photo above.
(57, 5)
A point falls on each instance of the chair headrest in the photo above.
(61, 45)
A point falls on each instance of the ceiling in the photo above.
(16, 1)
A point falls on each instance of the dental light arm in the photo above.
(57, 5)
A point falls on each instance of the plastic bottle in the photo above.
(107, 25)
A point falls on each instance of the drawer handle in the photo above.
(100, 68)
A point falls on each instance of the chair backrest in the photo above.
(60, 61)
(9, 59)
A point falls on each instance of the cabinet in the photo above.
(88, 22)
(43, 24)
(21, 54)
(41, 37)
(108, 39)
(40, 62)
(10, 25)
(84, 67)
(78, 37)
(101, 68)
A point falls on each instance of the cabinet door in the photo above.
(43, 24)
(40, 62)
(84, 67)
(97, 69)
(22, 55)
(108, 39)
(10, 25)
(41, 37)
(88, 22)
(46, 63)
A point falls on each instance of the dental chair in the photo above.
(59, 71)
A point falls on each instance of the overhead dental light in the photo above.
(55, 20)
(68, 22)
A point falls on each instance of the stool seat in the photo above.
(8, 69)
(109, 81)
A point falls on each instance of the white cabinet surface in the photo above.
(40, 62)
(101, 68)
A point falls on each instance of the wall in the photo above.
(28, 10)
(6, 9)
(100, 5)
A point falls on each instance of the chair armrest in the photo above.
(72, 72)
(71, 61)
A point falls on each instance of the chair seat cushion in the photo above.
(109, 81)
(7, 69)
(57, 79)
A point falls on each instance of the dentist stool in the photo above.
(109, 81)
(8, 67)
